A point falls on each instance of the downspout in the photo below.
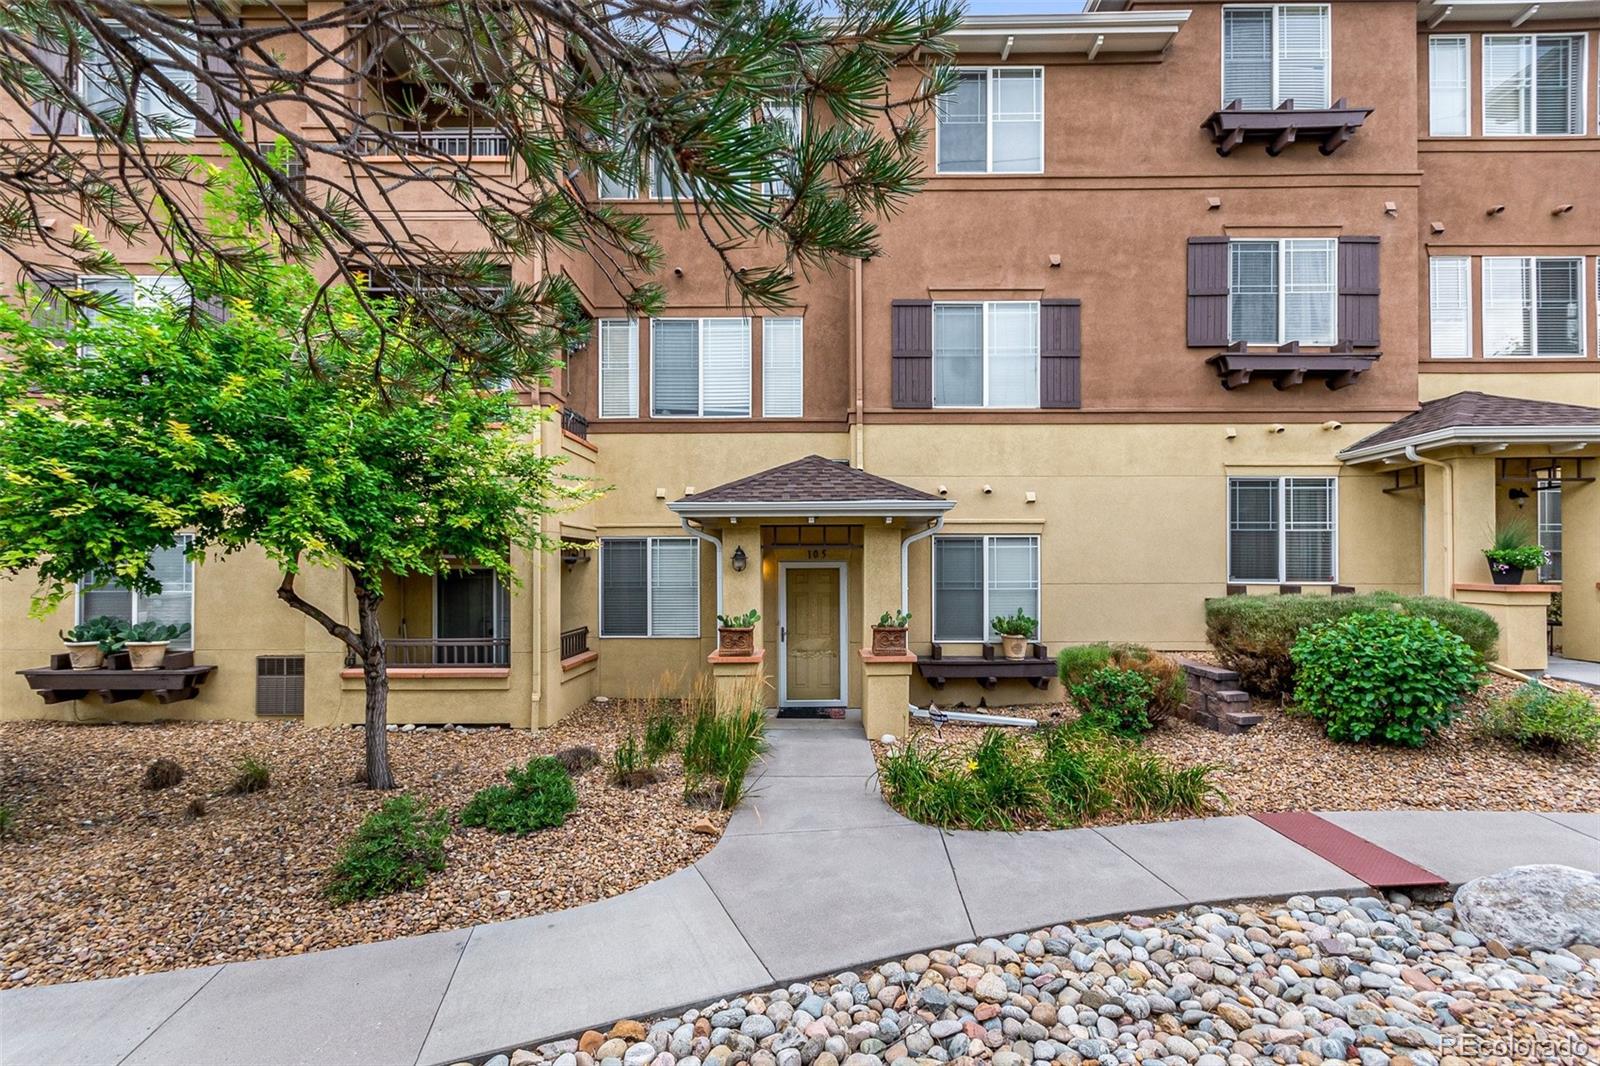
(695, 531)
(1449, 517)
(905, 560)
(858, 362)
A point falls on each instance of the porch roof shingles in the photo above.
(810, 485)
(1468, 417)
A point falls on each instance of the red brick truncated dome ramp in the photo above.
(1355, 855)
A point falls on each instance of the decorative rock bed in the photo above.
(1381, 982)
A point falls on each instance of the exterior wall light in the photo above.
(740, 560)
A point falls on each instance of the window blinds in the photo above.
(1450, 306)
(1253, 292)
(674, 587)
(619, 368)
(675, 367)
(782, 367)
(649, 587)
(958, 589)
(1013, 353)
(1247, 58)
(1013, 578)
(1302, 59)
(1253, 529)
(1449, 95)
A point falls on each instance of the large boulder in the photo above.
(1544, 907)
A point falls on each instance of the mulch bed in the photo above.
(1287, 763)
(102, 878)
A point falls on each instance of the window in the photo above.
(651, 181)
(978, 578)
(783, 367)
(1282, 529)
(649, 587)
(992, 122)
(1532, 306)
(1449, 78)
(787, 116)
(103, 81)
(472, 605)
(142, 290)
(1450, 306)
(619, 368)
(700, 368)
(174, 605)
(986, 354)
(1549, 496)
(1283, 290)
(1533, 84)
(1276, 53)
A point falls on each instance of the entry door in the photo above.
(810, 634)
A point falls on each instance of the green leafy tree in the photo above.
(260, 423)
(774, 125)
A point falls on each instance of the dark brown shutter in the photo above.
(1208, 292)
(47, 117)
(216, 67)
(1060, 352)
(911, 353)
(1358, 291)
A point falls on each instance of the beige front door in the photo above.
(811, 656)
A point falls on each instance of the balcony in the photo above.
(461, 143)
(1331, 126)
(468, 652)
(574, 642)
(574, 423)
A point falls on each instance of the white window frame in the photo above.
(983, 321)
(1466, 263)
(80, 85)
(1533, 318)
(700, 357)
(1283, 527)
(1548, 527)
(988, 123)
(1465, 40)
(1283, 320)
(649, 591)
(799, 391)
(147, 288)
(605, 326)
(988, 618)
(184, 541)
(1276, 9)
(1533, 84)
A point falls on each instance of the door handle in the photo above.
(783, 635)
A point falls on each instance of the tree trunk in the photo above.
(375, 677)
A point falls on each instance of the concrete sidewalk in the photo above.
(815, 874)
(1580, 670)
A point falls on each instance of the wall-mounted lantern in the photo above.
(740, 560)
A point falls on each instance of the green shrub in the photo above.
(629, 767)
(394, 850)
(1007, 780)
(1383, 676)
(1169, 685)
(1538, 717)
(540, 796)
(660, 736)
(718, 750)
(1116, 700)
(1074, 664)
(250, 774)
(1253, 634)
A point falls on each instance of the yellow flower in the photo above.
(972, 765)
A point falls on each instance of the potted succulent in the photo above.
(736, 633)
(1014, 631)
(147, 643)
(88, 643)
(889, 635)
(1514, 551)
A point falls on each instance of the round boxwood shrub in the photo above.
(1383, 676)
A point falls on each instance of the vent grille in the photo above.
(281, 685)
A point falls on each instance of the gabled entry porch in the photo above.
(819, 549)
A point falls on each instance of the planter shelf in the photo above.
(176, 679)
(988, 669)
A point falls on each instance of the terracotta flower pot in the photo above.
(1013, 646)
(85, 654)
(146, 654)
(889, 640)
(736, 640)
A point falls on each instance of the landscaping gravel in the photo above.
(1382, 982)
(102, 878)
(1287, 763)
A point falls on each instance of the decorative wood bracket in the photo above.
(1332, 126)
(1338, 367)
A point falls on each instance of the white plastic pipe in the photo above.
(694, 531)
(905, 560)
(976, 719)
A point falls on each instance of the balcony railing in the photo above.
(443, 142)
(574, 423)
(574, 642)
(444, 651)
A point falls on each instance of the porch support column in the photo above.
(1472, 479)
(885, 680)
(741, 592)
(1519, 611)
(740, 681)
(1580, 570)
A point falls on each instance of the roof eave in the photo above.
(1452, 436)
(1124, 32)
(691, 508)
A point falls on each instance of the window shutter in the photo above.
(1060, 352)
(911, 353)
(217, 68)
(1208, 292)
(47, 117)
(1358, 291)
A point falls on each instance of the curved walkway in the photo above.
(815, 874)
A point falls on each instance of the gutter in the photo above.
(694, 508)
(696, 531)
(1449, 516)
(1472, 435)
(905, 560)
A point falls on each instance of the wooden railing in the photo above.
(574, 642)
(447, 651)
